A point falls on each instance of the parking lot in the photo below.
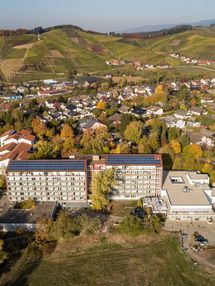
(203, 228)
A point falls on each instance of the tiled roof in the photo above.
(20, 151)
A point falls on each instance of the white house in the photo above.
(186, 195)
(155, 110)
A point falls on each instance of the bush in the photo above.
(28, 204)
(88, 225)
(131, 225)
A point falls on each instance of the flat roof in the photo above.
(46, 165)
(134, 159)
(19, 216)
(194, 195)
(198, 176)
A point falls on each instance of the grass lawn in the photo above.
(159, 263)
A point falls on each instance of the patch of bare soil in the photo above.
(25, 46)
(55, 54)
(175, 43)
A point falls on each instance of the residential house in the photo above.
(155, 110)
(90, 124)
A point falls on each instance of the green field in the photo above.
(157, 263)
(61, 50)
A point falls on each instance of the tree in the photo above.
(153, 141)
(192, 151)
(101, 105)
(44, 150)
(134, 131)
(102, 184)
(39, 127)
(173, 133)
(131, 225)
(122, 148)
(68, 147)
(184, 140)
(94, 141)
(64, 227)
(163, 136)
(67, 132)
(3, 254)
(2, 182)
(176, 146)
(88, 225)
(28, 204)
(125, 120)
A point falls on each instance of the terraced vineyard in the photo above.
(60, 50)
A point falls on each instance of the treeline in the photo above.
(148, 35)
(41, 30)
(12, 32)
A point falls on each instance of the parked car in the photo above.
(200, 238)
(139, 212)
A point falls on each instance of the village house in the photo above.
(181, 114)
(155, 110)
(90, 123)
(15, 146)
(197, 111)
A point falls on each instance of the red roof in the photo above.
(20, 152)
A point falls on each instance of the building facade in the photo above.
(64, 181)
(137, 175)
(68, 181)
(188, 196)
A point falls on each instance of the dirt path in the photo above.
(205, 258)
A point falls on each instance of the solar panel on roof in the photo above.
(132, 160)
(47, 165)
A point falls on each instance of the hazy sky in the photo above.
(103, 15)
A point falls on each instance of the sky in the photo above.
(103, 15)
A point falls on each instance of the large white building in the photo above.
(68, 181)
(64, 181)
(188, 196)
(137, 175)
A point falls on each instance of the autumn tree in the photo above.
(153, 141)
(176, 146)
(67, 132)
(134, 131)
(122, 148)
(39, 127)
(143, 146)
(101, 105)
(94, 141)
(3, 254)
(102, 184)
(68, 148)
(192, 151)
(44, 150)
(86, 141)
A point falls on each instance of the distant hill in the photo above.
(204, 23)
(153, 28)
(60, 49)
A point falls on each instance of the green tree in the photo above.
(131, 225)
(64, 227)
